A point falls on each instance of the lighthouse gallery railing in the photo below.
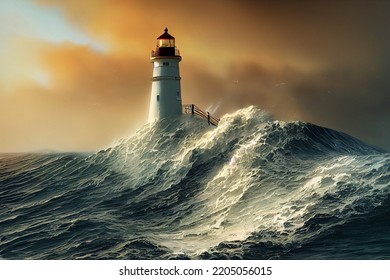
(195, 110)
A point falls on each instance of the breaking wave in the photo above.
(252, 188)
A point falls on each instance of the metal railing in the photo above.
(195, 110)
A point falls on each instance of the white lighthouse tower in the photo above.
(165, 98)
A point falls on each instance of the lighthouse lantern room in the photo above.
(165, 98)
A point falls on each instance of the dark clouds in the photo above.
(325, 62)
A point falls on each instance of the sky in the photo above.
(75, 75)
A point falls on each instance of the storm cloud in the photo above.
(325, 62)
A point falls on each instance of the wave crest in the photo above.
(180, 186)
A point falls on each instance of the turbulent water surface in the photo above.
(252, 188)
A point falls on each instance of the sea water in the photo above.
(251, 188)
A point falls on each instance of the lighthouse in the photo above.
(165, 97)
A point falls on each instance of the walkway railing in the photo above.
(195, 110)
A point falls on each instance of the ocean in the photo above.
(251, 188)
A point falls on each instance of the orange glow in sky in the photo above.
(75, 75)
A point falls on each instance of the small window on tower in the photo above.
(178, 97)
(166, 63)
(158, 98)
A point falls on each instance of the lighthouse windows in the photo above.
(158, 97)
(159, 64)
(166, 43)
(178, 97)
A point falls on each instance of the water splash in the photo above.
(253, 187)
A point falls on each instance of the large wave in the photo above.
(253, 187)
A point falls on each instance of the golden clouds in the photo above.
(120, 24)
(90, 100)
(319, 61)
